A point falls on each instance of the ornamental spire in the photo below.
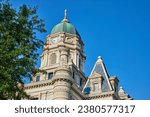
(65, 16)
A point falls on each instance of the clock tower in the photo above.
(63, 60)
(63, 34)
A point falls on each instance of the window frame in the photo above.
(50, 75)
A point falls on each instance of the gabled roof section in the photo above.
(95, 75)
(99, 68)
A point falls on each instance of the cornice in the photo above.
(103, 95)
(38, 84)
(45, 83)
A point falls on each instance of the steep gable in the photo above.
(98, 71)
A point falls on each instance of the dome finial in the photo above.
(65, 14)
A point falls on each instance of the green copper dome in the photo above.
(65, 26)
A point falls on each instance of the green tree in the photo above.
(18, 48)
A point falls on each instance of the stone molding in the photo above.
(45, 83)
(104, 95)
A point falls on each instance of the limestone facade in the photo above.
(63, 61)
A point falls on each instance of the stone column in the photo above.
(64, 53)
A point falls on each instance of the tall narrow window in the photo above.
(53, 58)
(79, 63)
(50, 75)
(96, 87)
(37, 78)
(73, 75)
(80, 82)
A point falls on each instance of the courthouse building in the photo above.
(63, 60)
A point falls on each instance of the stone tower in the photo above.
(63, 61)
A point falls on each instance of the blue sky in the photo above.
(117, 30)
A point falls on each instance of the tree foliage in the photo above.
(18, 48)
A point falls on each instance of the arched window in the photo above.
(53, 58)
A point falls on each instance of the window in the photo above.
(50, 75)
(37, 78)
(96, 87)
(79, 63)
(77, 79)
(80, 82)
(87, 90)
(53, 58)
(73, 75)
